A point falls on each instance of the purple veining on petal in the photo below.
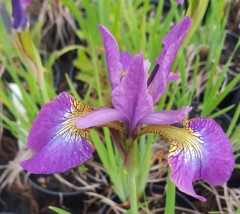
(125, 59)
(131, 97)
(184, 172)
(55, 139)
(59, 155)
(171, 43)
(217, 144)
(165, 117)
(114, 66)
(19, 15)
(209, 157)
(48, 121)
(98, 117)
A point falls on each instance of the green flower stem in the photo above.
(170, 196)
(133, 194)
(132, 164)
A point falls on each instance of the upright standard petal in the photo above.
(131, 97)
(125, 59)
(19, 15)
(58, 144)
(114, 66)
(171, 43)
(199, 150)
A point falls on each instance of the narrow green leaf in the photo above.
(58, 210)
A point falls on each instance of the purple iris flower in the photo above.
(59, 136)
(19, 14)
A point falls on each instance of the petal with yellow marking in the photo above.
(57, 142)
(199, 150)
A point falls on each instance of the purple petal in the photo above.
(114, 66)
(19, 16)
(98, 117)
(50, 120)
(166, 117)
(54, 132)
(62, 153)
(171, 43)
(131, 97)
(203, 153)
(125, 59)
(172, 77)
(183, 173)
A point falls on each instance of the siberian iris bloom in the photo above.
(59, 136)
(19, 14)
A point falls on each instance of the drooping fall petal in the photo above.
(206, 155)
(171, 43)
(58, 144)
(131, 96)
(60, 154)
(199, 150)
